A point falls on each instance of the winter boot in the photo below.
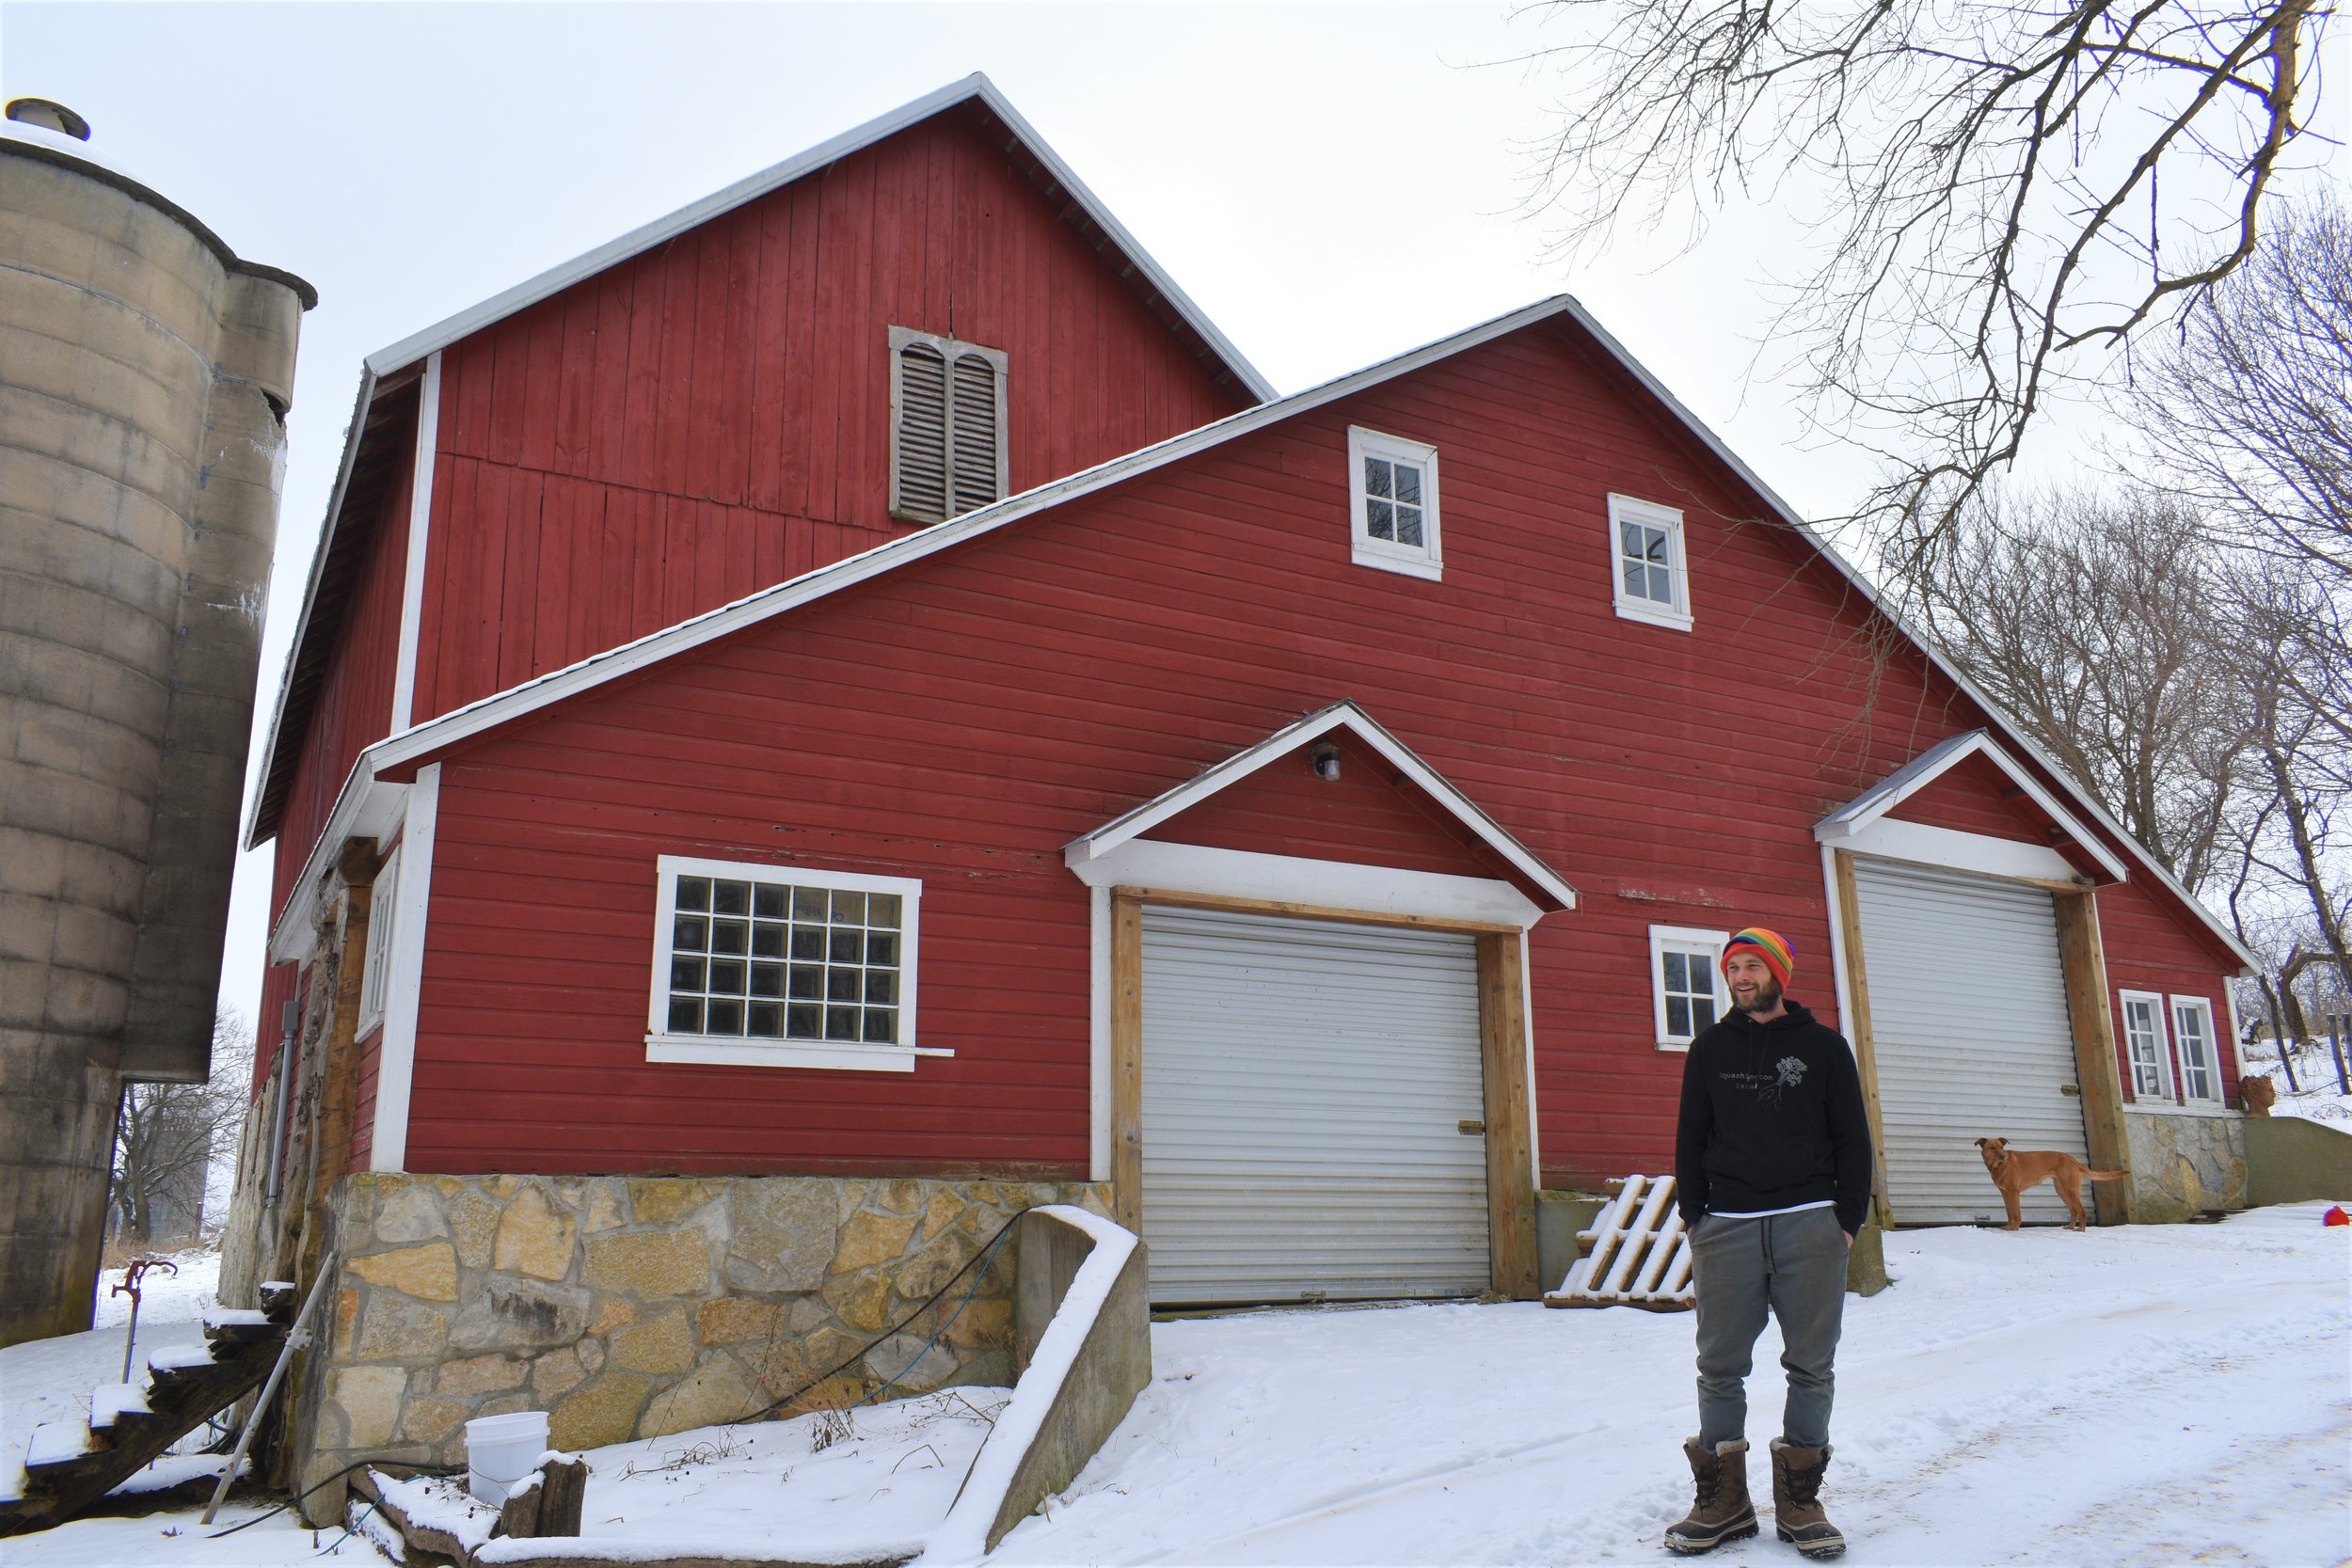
(1797, 1499)
(1721, 1512)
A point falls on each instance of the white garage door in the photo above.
(1969, 1026)
(1304, 1086)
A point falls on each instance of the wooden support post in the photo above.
(1127, 1060)
(1510, 1166)
(2095, 1069)
(1859, 1029)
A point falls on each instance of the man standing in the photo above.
(1772, 1175)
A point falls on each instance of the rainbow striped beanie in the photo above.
(1771, 946)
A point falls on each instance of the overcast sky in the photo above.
(1330, 183)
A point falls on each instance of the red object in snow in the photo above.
(2335, 1215)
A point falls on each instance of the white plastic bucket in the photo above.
(500, 1450)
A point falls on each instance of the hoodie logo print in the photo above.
(1791, 1072)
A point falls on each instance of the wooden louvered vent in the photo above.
(946, 446)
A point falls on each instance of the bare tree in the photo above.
(2249, 407)
(168, 1135)
(1998, 193)
(2092, 618)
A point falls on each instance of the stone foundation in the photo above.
(2184, 1165)
(632, 1307)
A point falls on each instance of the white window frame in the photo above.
(1685, 940)
(949, 349)
(2202, 1007)
(1427, 559)
(1629, 509)
(723, 1051)
(375, 971)
(2163, 1093)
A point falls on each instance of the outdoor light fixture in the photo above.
(1326, 760)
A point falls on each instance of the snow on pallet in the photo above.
(1635, 1255)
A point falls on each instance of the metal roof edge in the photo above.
(532, 291)
(1926, 644)
(367, 383)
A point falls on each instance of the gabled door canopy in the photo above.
(1082, 853)
(1849, 826)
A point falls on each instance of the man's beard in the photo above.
(1766, 1000)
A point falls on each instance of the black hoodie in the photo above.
(1771, 1118)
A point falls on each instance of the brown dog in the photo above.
(2014, 1170)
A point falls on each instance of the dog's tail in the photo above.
(2105, 1175)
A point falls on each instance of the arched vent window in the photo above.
(946, 425)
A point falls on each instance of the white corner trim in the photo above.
(396, 1055)
(1099, 1035)
(2237, 1029)
(1527, 1021)
(420, 530)
(1841, 974)
(1121, 830)
(1982, 853)
(1294, 879)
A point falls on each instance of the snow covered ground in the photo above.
(2134, 1397)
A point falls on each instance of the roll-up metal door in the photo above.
(1970, 1033)
(1305, 1085)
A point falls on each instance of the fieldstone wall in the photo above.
(632, 1306)
(2182, 1165)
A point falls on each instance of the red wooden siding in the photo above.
(1367, 815)
(962, 719)
(712, 418)
(354, 708)
(363, 1114)
(1976, 797)
(278, 985)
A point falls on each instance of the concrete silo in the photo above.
(145, 373)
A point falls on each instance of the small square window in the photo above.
(1392, 503)
(1649, 569)
(782, 966)
(1686, 985)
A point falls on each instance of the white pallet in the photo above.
(1635, 1255)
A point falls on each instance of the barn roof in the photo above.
(400, 754)
(396, 368)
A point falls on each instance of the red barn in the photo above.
(859, 682)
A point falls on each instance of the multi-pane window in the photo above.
(1650, 575)
(2192, 1031)
(947, 425)
(1686, 986)
(778, 956)
(375, 977)
(2143, 1043)
(1393, 502)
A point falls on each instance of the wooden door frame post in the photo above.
(2084, 957)
(1859, 1029)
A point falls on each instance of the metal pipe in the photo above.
(297, 1335)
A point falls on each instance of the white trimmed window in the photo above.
(2192, 1031)
(1648, 566)
(2144, 1044)
(1392, 503)
(375, 973)
(1686, 982)
(782, 966)
(946, 425)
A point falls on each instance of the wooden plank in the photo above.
(1866, 1056)
(1172, 899)
(1510, 1164)
(1127, 1060)
(2096, 1070)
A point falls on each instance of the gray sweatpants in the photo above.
(1795, 1265)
